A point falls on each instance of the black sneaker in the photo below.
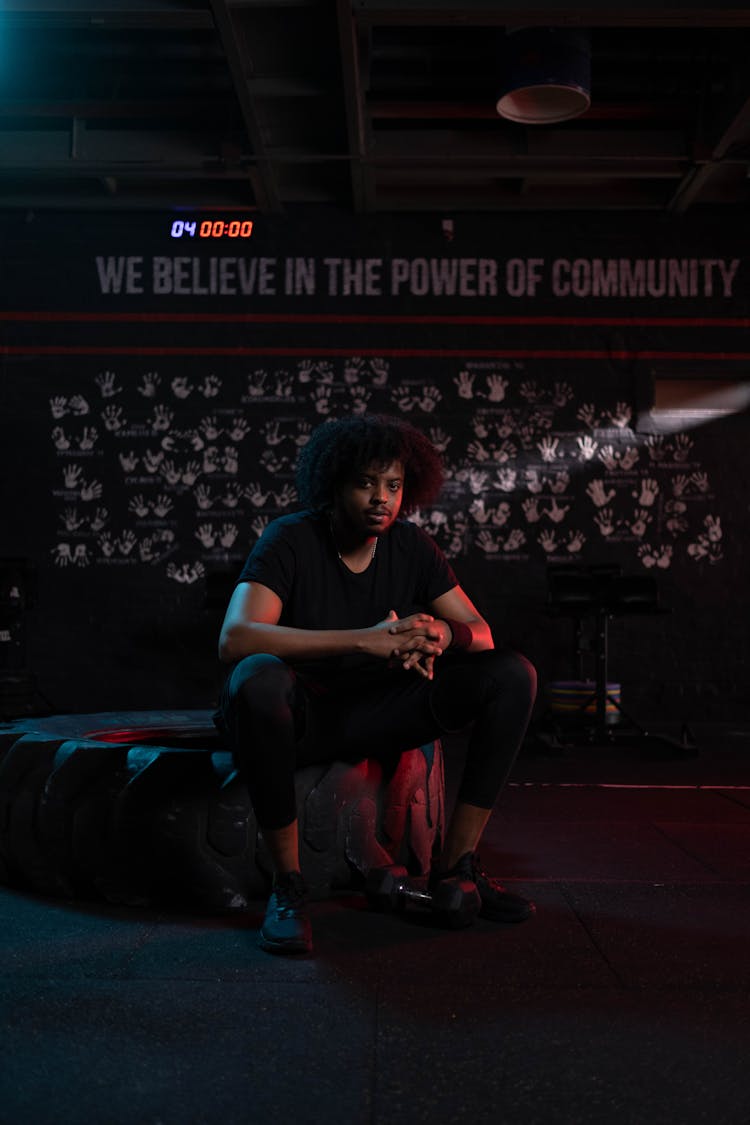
(286, 926)
(498, 904)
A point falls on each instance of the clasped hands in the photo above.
(415, 640)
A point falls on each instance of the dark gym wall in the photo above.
(157, 387)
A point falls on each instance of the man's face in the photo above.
(370, 502)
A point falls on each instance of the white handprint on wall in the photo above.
(106, 382)
(149, 384)
(497, 385)
(464, 383)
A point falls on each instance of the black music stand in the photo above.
(595, 594)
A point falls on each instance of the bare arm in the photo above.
(251, 625)
(457, 606)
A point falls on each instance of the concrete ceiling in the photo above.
(372, 106)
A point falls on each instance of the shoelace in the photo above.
(471, 869)
(288, 896)
(491, 880)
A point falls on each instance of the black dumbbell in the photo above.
(456, 902)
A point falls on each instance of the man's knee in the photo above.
(261, 681)
(475, 681)
(511, 672)
(525, 676)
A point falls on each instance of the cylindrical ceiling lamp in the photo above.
(546, 75)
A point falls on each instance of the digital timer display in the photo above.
(212, 228)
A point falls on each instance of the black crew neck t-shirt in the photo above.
(296, 557)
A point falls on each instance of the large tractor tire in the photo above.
(146, 808)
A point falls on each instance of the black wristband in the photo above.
(462, 635)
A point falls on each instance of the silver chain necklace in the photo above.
(338, 552)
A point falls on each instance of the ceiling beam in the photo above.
(492, 146)
(354, 100)
(72, 169)
(553, 13)
(416, 109)
(97, 198)
(107, 13)
(533, 169)
(240, 67)
(150, 110)
(697, 179)
(508, 197)
(184, 147)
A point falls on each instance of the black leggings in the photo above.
(274, 722)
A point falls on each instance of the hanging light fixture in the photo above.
(546, 75)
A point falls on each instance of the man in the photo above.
(348, 631)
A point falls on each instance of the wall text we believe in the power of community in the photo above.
(596, 277)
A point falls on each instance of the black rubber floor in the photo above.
(625, 1000)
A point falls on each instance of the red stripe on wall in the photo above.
(337, 318)
(434, 353)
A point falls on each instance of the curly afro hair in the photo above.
(339, 449)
